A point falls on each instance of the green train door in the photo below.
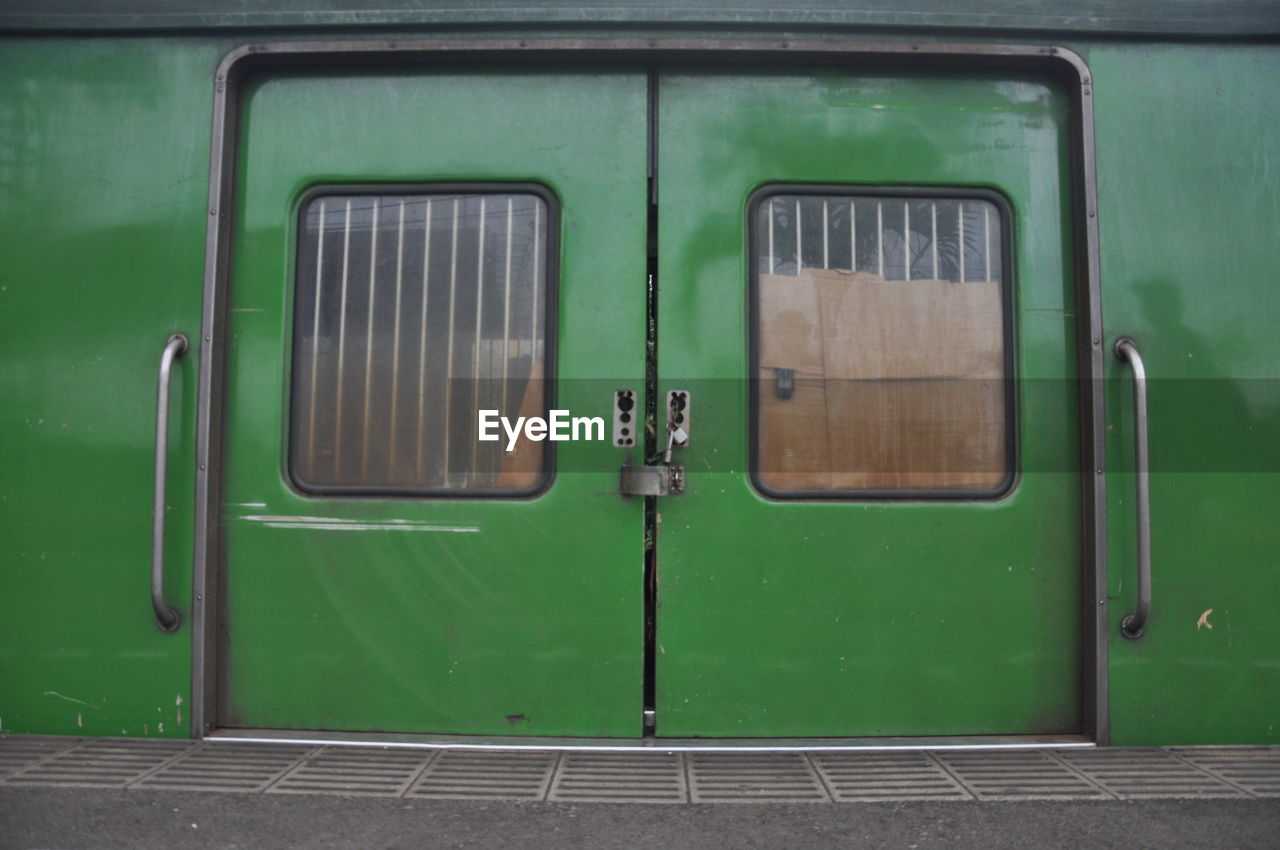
(411, 248)
(866, 292)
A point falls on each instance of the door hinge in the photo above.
(664, 480)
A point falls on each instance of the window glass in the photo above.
(412, 312)
(881, 355)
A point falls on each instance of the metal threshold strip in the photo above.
(666, 745)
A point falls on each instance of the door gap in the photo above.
(649, 715)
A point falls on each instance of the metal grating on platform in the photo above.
(101, 762)
(1255, 770)
(726, 777)
(357, 771)
(487, 775)
(642, 775)
(1147, 773)
(19, 753)
(635, 777)
(1028, 774)
(866, 777)
(237, 767)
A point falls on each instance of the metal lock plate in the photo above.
(652, 480)
(625, 424)
(679, 414)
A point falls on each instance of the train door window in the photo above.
(882, 340)
(412, 311)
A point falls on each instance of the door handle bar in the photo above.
(1133, 624)
(167, 618)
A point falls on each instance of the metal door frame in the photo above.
(243, 62)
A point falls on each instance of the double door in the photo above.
(858, 278)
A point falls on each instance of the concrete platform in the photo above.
(99, 792)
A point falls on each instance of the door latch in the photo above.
(666, 478)
(678, 426)
(679, 411)
(661, 480)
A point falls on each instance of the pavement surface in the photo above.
(118, 818)
(141, 793)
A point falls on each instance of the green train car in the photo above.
(759, 372)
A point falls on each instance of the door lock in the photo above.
(659, 480)
(677, 422)
(676, 436)
(666, 478)
(679, 412)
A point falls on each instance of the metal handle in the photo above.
(1133, 624)
(166, 617)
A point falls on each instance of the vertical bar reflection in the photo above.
(853, 237)
(799, 259)
(770, 265)
(906, 240)
(342, 342)
(315, 349)
(473, 468)
(395, 346)
(933, 236)
(422, 342)
(826, 262)
(506, 309)
(448, 367)
(879, 239)
(537, 280)
(986, 242)
(368, 358)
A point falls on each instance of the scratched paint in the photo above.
(69, 699)
(338, 524)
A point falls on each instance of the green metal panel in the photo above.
(1183, 17)
(532, 623)
(103, 164)
(862, 617)
(1189, 193)
(103, 170)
